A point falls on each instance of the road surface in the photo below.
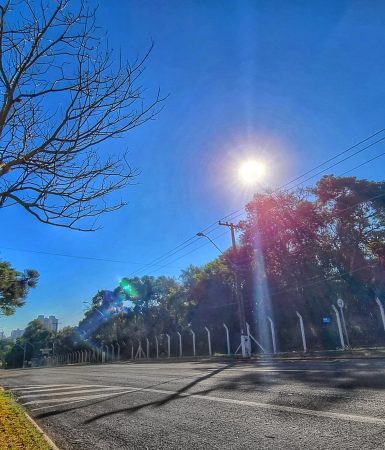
(306, 404)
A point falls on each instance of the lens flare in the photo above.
(128, 288)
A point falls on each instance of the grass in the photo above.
(16, 431)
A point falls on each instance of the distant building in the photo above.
(51, 322)
(15, 334)
(2, 335)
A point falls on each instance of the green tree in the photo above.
(14, 287)
(5, 347)
(311, 247)
(35, 337)
(298, 251)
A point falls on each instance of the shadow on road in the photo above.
(330, 383)
(167, 399)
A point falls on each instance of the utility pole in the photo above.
(24, 354)
(245, 340)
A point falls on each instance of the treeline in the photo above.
(297, 251)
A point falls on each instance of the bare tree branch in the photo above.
(62, 95)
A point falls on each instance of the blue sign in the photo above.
(326, 319)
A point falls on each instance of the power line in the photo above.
(339, 162)
(240, 211)
(235, 214)
(363, 164)
(64, 255)
(231, 215)
(166, 255)
(191, 251)
(335, 157)
(363, 201)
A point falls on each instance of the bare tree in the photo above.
(63, 94)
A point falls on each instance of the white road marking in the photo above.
(280, 408)
(53, 389)
(81, 398)
(266, 406)
(37, 386)
(59, 404)
(76, 391)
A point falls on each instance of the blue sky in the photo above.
(291, 82)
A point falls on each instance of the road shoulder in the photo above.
(18, 429)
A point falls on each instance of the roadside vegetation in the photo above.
(16, 431)
(298, 251)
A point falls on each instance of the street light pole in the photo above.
(245, 340)
(24, 352)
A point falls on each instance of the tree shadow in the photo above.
(335, 383)
(330, 383)
(173, 396)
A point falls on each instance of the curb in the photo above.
(45, 436)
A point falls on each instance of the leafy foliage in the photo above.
(14, 287)
(298, 251)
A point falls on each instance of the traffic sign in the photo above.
(326, 320)
(340, 303)
(45, 351)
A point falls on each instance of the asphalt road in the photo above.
(208, 405)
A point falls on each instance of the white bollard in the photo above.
(193, 341)
(209, 340)
(248, 330)
(380, 305)
(168, 345)
(302, 331)
(341, 305)
(339, 327)
(157, 347)
(112, 352)
(272, 334)
(227, 339)
(180, 344)
(148, 348)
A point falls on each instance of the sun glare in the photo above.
(251, 171)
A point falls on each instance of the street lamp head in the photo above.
(200, 234)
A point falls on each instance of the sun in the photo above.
(251, 171)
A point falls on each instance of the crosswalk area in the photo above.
(38, 397)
